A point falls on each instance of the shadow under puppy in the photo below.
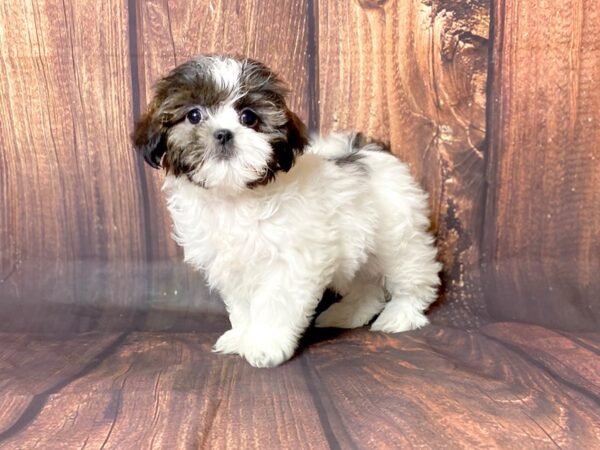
(274, 218)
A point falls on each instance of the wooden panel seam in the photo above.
(133, 32)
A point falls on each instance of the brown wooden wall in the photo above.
(542, 226)
(507, 146)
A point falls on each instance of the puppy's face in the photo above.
(221, 122)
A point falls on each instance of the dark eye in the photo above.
(249, 118)
(194, 116)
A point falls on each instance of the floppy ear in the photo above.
(297, 139)
(150, 138)
(297, 132)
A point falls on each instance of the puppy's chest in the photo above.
(237, 236)
(231, 235)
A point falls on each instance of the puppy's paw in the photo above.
(229, 342)
(266, 357)
(267, 348)
(343, 315)
(396, 318)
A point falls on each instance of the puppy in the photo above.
(274, 218)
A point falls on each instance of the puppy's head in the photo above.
(221, 122)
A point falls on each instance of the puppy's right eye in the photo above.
(194, 116)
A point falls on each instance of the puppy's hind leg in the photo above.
(411, 278)
(364, 299)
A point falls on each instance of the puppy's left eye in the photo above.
(249, 118)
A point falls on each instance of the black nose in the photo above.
(223, 136)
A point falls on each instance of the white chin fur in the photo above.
(248, 163)
(359, 227)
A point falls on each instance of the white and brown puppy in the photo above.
(274, 218)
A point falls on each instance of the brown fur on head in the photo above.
(221, 122)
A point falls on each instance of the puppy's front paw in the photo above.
(229, 342)
(267, 348)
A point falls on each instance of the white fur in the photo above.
(226, 72)
(359, 228)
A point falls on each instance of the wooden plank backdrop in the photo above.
(71, 221)
(84, 233)
(542, 228)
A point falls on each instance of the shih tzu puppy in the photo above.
(274, 217)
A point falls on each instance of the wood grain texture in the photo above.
(446, 387)
(170, 391)
(70, 222)
(567, 358)
(36, 367)
(413, 74)
(11, 408)
(542, 240)
(435, 388)
(169, 33)
(33, 364)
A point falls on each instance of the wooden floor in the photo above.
(506, 385)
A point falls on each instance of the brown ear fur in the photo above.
(297, 132)
(149, 137)
(297, 139)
